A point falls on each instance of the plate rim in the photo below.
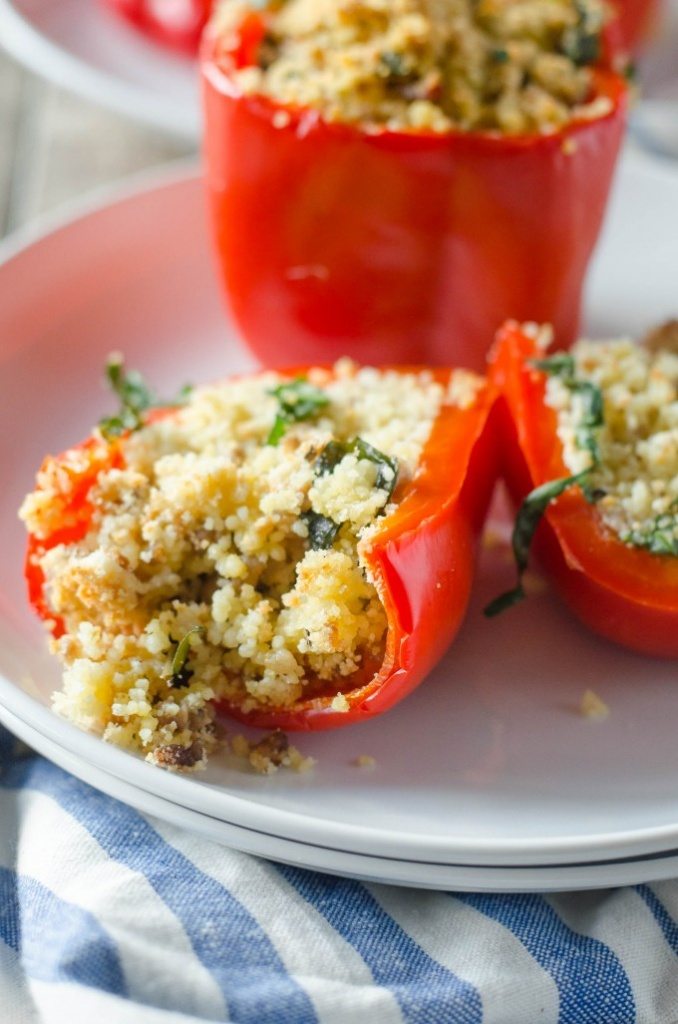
(191, 792)
(363, 867)
(46, 58)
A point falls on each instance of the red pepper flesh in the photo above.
(637, 18)
(624, 593)
(397, 247)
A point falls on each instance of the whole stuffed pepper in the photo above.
(174, 23)
(393, 181)
(591, 451)
(298, 549)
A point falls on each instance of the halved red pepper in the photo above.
(396, 246)
(174, 23)
(624, 593)
(421, 559)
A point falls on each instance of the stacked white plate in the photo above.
(489, 776)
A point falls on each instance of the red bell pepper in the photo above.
(174, 23)
(637, 18)
(396, 246)
(624, 593)
(422, 557)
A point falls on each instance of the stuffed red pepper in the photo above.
(591, 450)
(393, 181)
(298, 549)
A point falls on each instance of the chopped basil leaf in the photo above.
(581, 43)
(527, 521)
(394, 64)
(592, 417)
(499, 55)
(331, 456)
(180, 675)
(322, 532)
(659, 538)
(559, 365)
(297, 400)
(334, 452)
(135, 399)
(387, 467)
(562, 365)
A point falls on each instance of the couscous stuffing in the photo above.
(631, 452)
(507, 66)
(224, 560)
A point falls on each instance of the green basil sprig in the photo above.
(534, 506)
(527, 521)
(135, 398)
(297, 400)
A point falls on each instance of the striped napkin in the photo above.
(111, 917)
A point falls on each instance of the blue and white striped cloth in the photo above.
(110, 917)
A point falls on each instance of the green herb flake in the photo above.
(499, 55)
(180, 675)
(297, 400)
(581, 42)
(562, 365)
(135, 399)
(395, 67)
(334, 452)
(322, 532)
(659, 538)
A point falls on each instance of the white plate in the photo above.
(655, 118)
(474, 878)
(489, 762)
(82, 46)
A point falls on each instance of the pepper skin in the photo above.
(622, 592)
(637, 19)
(397, 247)
(174, 23)
(421, 559)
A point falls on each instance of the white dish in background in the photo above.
(489, 762)
(84, 47)
(654, 119)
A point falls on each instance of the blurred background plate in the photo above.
(84, 47)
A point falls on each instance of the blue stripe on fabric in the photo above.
(668, 926)
(225, 937)
(55, 940)
(426, 992)
(7, 743)
(592, 984)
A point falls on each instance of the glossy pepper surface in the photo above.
(421, 559)
(622, 592)
(174, 23)
(396, 246)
